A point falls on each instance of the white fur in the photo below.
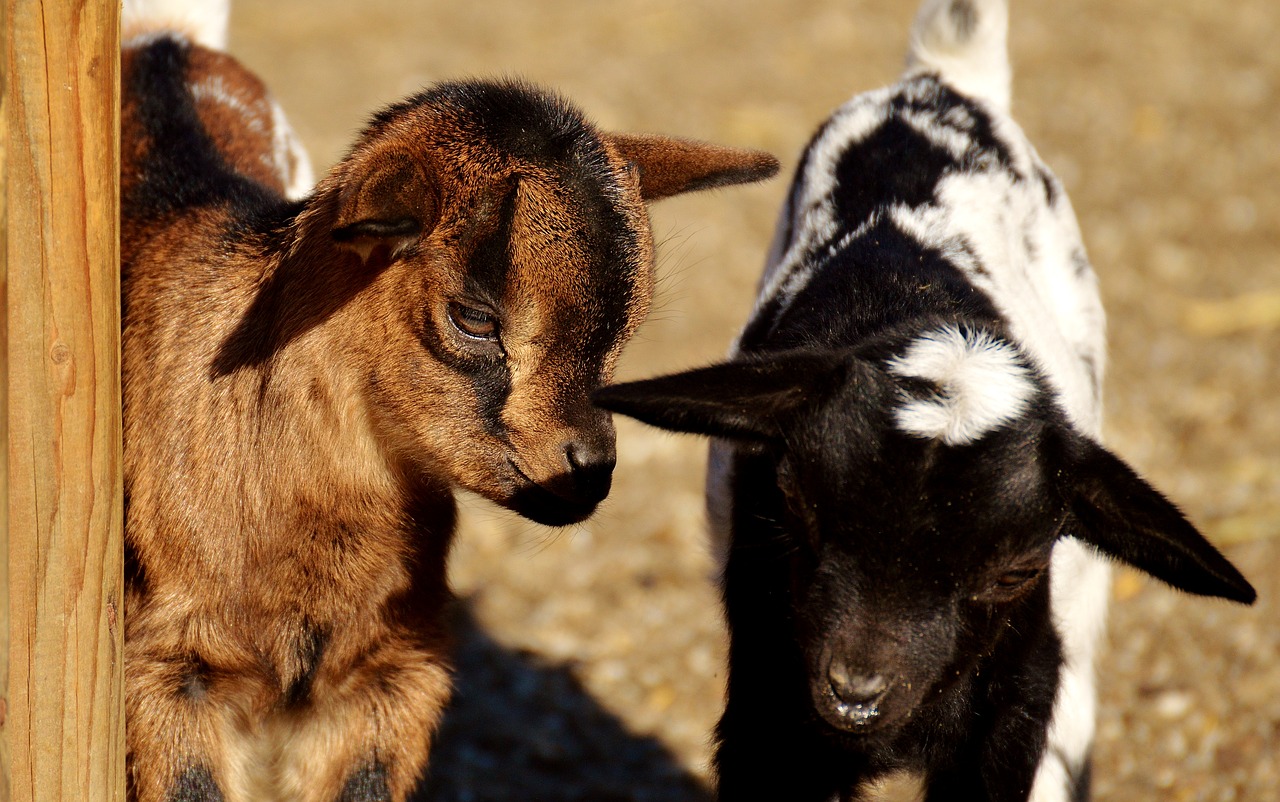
(720, 500)
(1026, 255)
(983, 384)
(786, 271)
(1080, 590)
(290, 156)
(203, 21)
(973, 61)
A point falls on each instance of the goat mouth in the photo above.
(857, 715)
(544, 506)
(852, 717)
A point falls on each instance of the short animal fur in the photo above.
(307, 382)
(908, 476)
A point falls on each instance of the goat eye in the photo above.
(474, 323)
(1016, 579)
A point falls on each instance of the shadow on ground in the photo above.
(523, 728)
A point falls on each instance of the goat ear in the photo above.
(670, 166)
(739, 400)
(385, 199)
(1125, 517)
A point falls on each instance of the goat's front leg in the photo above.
(367, 730)
(999, 762)
(361, 732)
(177, 734)
(768, 746)
(756, 761)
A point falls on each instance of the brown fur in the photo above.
(296, 421)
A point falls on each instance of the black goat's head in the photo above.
(921, 505)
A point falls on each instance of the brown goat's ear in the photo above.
(386, 200)
(670, 166)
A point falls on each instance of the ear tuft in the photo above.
(670, 166)
(385, 199)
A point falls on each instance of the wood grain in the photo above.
(62, 732)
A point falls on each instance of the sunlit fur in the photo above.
(302, 398)
(982, 383)
(905, 482)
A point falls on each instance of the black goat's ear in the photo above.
(670, 166)
(739, 400)
(386, 199)
(1125, 517)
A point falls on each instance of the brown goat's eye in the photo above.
(473, 322)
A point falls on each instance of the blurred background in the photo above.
(591, 664)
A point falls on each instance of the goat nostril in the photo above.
(591, 468)
(858, 689)
(585, 458)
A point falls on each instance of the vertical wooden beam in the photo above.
(62, 720)
(4, 404)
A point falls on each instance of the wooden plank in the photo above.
(63, 725)
(4, 409)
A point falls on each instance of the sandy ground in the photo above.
(592, 658)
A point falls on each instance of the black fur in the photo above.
(514, 116)
(310, 648)
(964, 17)
(196, 682)
(367, 785)
(487, 276)
(872, 285)
(195, 785)
(866, 557)
(1082, 782)
(993, 695)
(184, 170)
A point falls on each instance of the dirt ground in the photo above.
(592, 664)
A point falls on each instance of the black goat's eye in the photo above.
(1016, 579)
(474, 323)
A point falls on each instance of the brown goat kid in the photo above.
(306, 383)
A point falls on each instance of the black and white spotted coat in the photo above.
(927, 195)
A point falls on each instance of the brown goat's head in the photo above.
(504, 257)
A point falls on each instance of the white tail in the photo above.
(202, 21)
(964, 42)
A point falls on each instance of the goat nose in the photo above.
(859, 690)
(591, 467)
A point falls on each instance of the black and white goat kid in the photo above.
(907, 473)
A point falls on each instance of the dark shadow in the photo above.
(522, 728)
(295, 299)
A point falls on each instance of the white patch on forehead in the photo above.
(983, 383)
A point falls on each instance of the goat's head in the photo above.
(920, 497)
(504, 257)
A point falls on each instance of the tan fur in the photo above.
(292, 445)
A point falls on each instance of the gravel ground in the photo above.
(591, 665)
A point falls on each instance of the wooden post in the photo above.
(61, 650)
